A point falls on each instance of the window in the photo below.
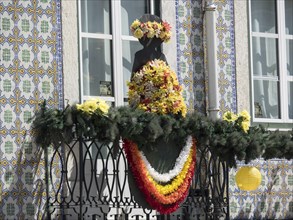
(107, 47)
(271, 41)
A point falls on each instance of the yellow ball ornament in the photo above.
(248, 178)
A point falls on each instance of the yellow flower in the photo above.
(151, 33)
(90, 106)
(79, 107)
(135, 24)
(164, 97)
(103, 106)
(245, 126)
(245, 115)
(138, 33)
(167, 37)
(162, 35)
(151, 30)
(229, 116)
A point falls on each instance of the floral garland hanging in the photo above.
(165, 195)
(180, 162)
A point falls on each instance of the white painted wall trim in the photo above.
(70, 51)
(168, 12)
(242, 55)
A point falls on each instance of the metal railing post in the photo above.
(47, 183)
(81, 175)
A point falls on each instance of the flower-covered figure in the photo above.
(154, 86)
(160, 176)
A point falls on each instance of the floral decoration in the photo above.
(54, 126)
(179, 164)
(151, 29)
(164, 196)
(98, 106)
(155, 88)
(241, 120)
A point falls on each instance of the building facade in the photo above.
(69, 51)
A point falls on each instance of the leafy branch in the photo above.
(225, 139)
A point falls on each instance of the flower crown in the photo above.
(151, 29)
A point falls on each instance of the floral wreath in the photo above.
(151, 29)
(164, 192)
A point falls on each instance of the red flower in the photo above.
(166, 25)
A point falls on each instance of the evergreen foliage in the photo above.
(224, 139)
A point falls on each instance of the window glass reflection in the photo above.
(130, 11)
(289, 16)
(266, 99)
(95, 16)
(265, 58)
(263, 15)
(289, 56)
(129, 50)
(97, 66)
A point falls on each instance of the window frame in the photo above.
(117, 39)
(283, 77)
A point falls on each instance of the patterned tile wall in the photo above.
(272, 200)
(30, 71)
(190, 51)
(190, 55)
(226, 55)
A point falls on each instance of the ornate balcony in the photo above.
(87, 179)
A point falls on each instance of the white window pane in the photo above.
(96, 65)
(129, 50)
(131, 10)
(95, 16)
(289, 16)
(266, 99)
(290, 99)
(264, 56)
(263, 15)
(289, 48)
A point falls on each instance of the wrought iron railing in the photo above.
(90, 180)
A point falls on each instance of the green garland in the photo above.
(229, 142)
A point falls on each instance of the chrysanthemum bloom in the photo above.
(151, 29)
(229, 116)
(155, 88)
(91, 106)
